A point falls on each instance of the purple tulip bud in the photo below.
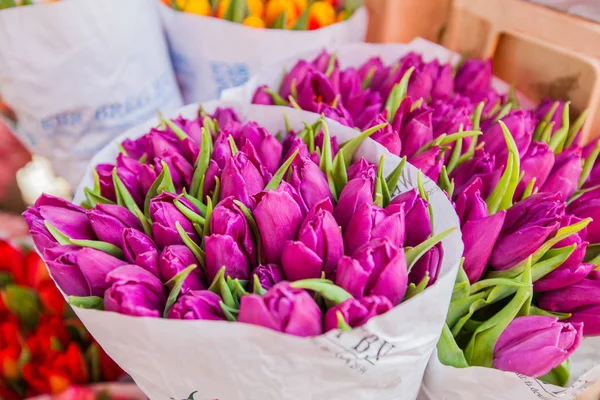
(564, 176)
(222, 148)
(449, 115)
(321, 62)
(360, 168)
(228, 219)
(416, 219)
(224, 251)
(481, 166)
(198, 304)
(588, 206)
(283, 309)
(193, 127)
(227, 119)
(69, 219)
(268, 275)
(422, 78)
(357, 312)
(176, 258)
(241, 179)
(572, 270)
(140, 250)
(292, 143)
(544, 107)
(134, 291)
(80, 271)
(443, 85)
(297, 75)
(473, 76)
(354, 98)
(136, 148)
(415, 127)
(315, 88)
(527, 225)
(380, 72)
(262, 97)
(310, 182)
(386, 136)
(520, 124)
(162, 144)
(429, 162)
(109, 220)
(268, 149)
(357, 192)
(164, 215)
(338, 113)
(318, 246)
(534, 345)
(479, 230)
(130, 173)
(377, 268)
(490, 98)
(107, 187)
(278, 217)
(429, 265)
(181, 170)
(212, 173)
(372, 222)
(535, 163)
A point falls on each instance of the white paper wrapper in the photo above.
(211, 54)
(77, 73)
(354, 55)
(384, 359)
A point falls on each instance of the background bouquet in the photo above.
(211, 219)
(524, 191)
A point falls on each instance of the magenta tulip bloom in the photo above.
(588, 206)
(372, 222)
(164, 215)
(534, 345)
(262, 97)
(429, 265)
(227, 119)
(521, 125)
(377, 268)
(358, 191)
(315, 88)
(107, 187)
(132, 173)
(449, 115)
(228, 219)
(198, 304)
(268, 275)
(224, 251)
(268, 148)
(416, 220)
(181, 170)
(483, 167)
(222, 148)
(135, 148)
(414, 127)
(537, 162)
(80, 271)
(357, 312)
(317, 248)
(429, 162)
(294, 77)
(386, 136)
(544, 107)
(310, 182)
(527, 225)
(134, 291)
(176, 258)
(564, 176)
(473, 76)
(283, 309)
(241, 179)
(140, 249)
(109, 220)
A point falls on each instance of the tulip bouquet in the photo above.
(44, 349)
(523, 186)
(212, 218)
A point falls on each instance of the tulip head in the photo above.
(294, 77)
(357, 312)
(565, 174)
(198, 304)
(474, 76)
(416, 219)
(109, 220)
(107, 187)
(176, 258)
(521, 125)
(262, 97)
(140, 249)
(310, 182)
(358, 191)
(537, 162)
(430, 265)
(588, 206)
(165, 215)
(372, 222)
(483, 167)
(386, 136)
(241, 179)
(268, 275)
(429, 162)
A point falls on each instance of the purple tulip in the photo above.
(109, 220)
(520, 124)
(588, 206)
(283, 309)
(357, 312)
(319, 142)
(483, 167)
(80, 271)
(135, 148)
(386, 136)
(69, 219)
(377, 268)
(479, 230)
(131, 172)
(572, 270)
(536, 163)
(222, 148)
(228, 219)
(176, 258)
(224, 251)
(372, 106)
(262, 97)
(227, 119)
(310, 182)
(140, 250)
(181, 170)
(564, 176)
(544, 107)
(449, 115)
(474, 76)
(372, 222)
(268, 275)
(352, 94)
(429, 162)
(198, 304)
(360, 168)
(193, 127)
(268, 148)
(443, 85)
(318, 246)
(357, 192)
(241, 179)
(416, 219)
(134, 291)
(107, 187)
(212, 173)
(490, 98)
(429, 265)
(534, 345)
(165, 143)
(321, 62)
(527, 225)
(164, 215)
(315, 88)
(414, 127)
(380, 72)
(296, 75)
(292, 143)
(338, 113)
(278, 217)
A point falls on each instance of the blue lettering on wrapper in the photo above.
(227, 75)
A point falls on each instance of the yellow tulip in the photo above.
(200, 7)
(320, 14)
(254, 21)
(276, 7)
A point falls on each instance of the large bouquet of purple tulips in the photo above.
(526, 191)
(211, 218)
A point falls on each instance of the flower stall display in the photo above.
(525, 192)
(44, 348)
(205, 67)
(267, 238)
(68, 97)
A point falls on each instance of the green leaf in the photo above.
(294, 103)
(327, 289)
(230, 312)
(462, 286)
(99, 245)
(196, 188)
(445, 183)
(209, 209)
(353, 144)
(341, 322)
(490, 282)
(216, 191)
(557, 142)
(330, 64)
(326, 164)
(589, 164)
(163, 182)
(195, 202)
(512, 98)
(278, 176)
(503, 112)
(232, 145)
(253, 226)
(193, 246)
(392, 179)
(7, 4)
(382, 194)
(60, 237)
(6, 278)
(398, 94)
(180, 133)
(302, 21)
(281, 21)
(529, 188)
(448, 351)
(445, 139)
(87, 302)
(257, 287)
(124, 199)
(537, 133)
(22, 302)
(538, 311)
(501, 197)
(414, 290)
(174, 284)
(368, 78)
(340, 177)
(95, 198)
(453, 162)
(189, 214)
(277, 99)
(415, 253)
(573, 130)
(237, 11)
(558, 376)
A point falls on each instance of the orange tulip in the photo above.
(255, 7)
(254, 22)
(200, 7)
(300, 6)
(276, 7)
(320, 14)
